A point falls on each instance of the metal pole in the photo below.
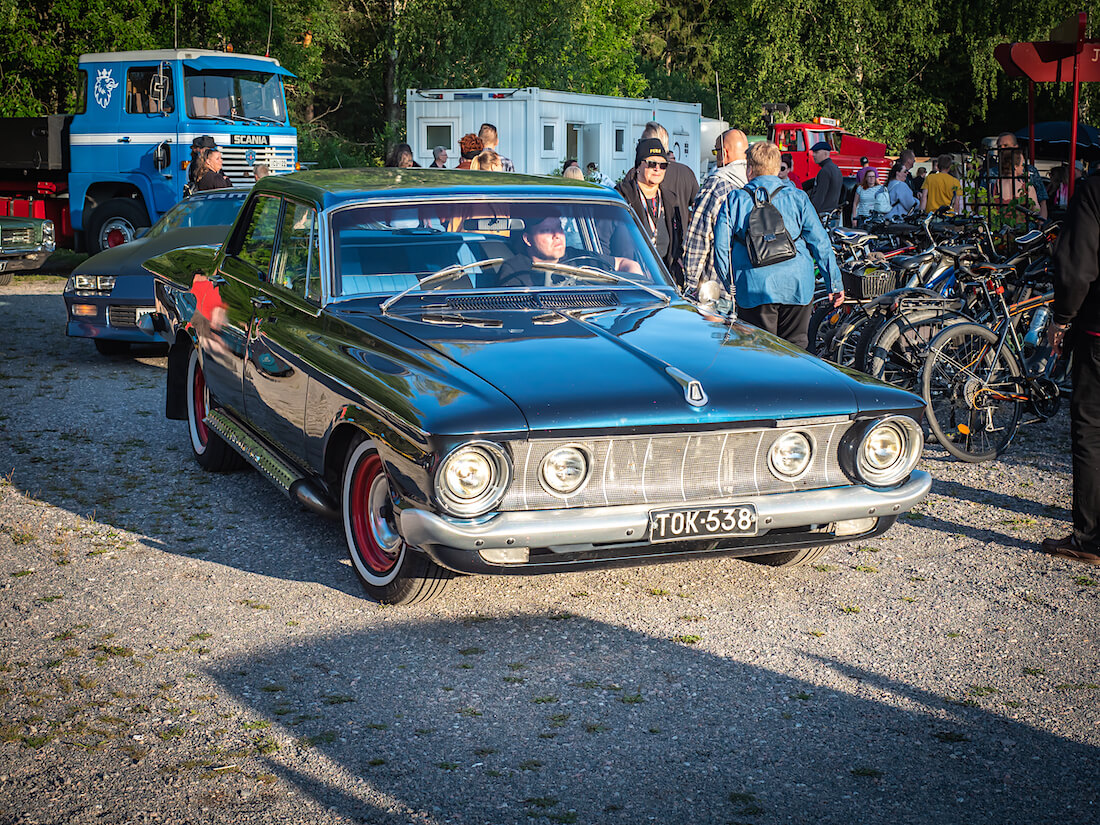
(1031, 119)
(1073, 121)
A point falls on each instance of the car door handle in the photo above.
(260, 302)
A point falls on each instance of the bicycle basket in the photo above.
(868, 283)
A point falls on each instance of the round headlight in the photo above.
(790, 455)
(564, 470)
(889, 450)
(472, 479)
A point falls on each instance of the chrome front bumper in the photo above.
(566, 529)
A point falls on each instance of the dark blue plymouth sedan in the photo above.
(488, 373)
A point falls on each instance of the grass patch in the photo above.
(631, 699)
(687, 639)
(20, 573)
(471, 651)
(545, 700)
(1084, 581)
(849, 608)
(338, 699)
(950, 737)
(867, 773)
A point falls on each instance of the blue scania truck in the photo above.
(120, 160)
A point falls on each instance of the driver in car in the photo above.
(544, 242)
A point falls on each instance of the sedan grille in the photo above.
(530, 300)
(675, 468)
(121, 316)
(11, 239)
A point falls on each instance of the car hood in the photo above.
(631, 366)
(128, 258)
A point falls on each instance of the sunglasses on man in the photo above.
(657, 164)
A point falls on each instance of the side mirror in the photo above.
(162, 156)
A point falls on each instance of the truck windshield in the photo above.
(234, 96)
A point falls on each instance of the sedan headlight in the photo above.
(93, 283)
(564, 470)
(789, 457)
(888, 450)
(472, 478)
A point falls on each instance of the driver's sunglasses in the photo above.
(657, 164)
(783, 168)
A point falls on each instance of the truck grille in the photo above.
(17, 238)
(279, 159)
(675, 468)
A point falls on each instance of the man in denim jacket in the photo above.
(776, 298)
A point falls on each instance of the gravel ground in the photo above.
(184, 647)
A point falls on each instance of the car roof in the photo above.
(330, 187)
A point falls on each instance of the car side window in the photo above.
(297, 267)
(259, 238)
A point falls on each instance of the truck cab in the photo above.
(122, 158)
(797, 138)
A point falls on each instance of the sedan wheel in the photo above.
(210, 450)
(388, 569)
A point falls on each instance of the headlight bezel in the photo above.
(469, 507)
(898, 470)
(586, 457)
(811, 449)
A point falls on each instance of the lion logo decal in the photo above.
(104, 85)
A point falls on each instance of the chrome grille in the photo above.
(14, 238)
(527, 300)
(675, 468)
(577, 300)
(279, 159)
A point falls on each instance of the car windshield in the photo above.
(215, 209)
(225, 94)
(491, 244)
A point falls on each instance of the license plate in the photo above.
(279, 163)
(679, 524)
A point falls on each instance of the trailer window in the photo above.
(149, 91)
(439, 135)
(234, 96)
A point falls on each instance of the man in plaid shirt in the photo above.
(699, 242)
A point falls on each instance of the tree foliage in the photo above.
(919, 71)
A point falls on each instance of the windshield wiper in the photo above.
(448, 273)
(604, 275)
(265, 119)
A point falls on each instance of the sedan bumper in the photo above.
(594, 536)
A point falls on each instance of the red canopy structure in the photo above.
(1066, 58)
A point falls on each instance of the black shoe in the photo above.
(1070, 548)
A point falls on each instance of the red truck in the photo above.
(797, 138)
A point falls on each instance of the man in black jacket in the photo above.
(1077, 303)
(828, 183)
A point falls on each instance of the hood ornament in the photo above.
(694, 393)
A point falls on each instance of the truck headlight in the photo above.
(888, 450)
(790, 455)
(472, 478)
(564, 470)
(48, 239)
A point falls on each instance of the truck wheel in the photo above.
(5, 278)
(114, 223)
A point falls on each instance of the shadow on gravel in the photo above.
(556, 718)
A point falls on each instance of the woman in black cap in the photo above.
(642, 191)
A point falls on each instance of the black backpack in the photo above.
(766, 237)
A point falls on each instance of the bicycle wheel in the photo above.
(895, 351)
(823, 323)
(843, 345)
(973, 394)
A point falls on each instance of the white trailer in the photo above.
(540, 128)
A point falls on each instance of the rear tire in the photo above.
(108, 347)
(5, 278)
(790, 558)
(210, 449)
(388, 569)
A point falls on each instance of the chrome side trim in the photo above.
(630, 523)
(277, 471)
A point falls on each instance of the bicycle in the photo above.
(975, 380)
